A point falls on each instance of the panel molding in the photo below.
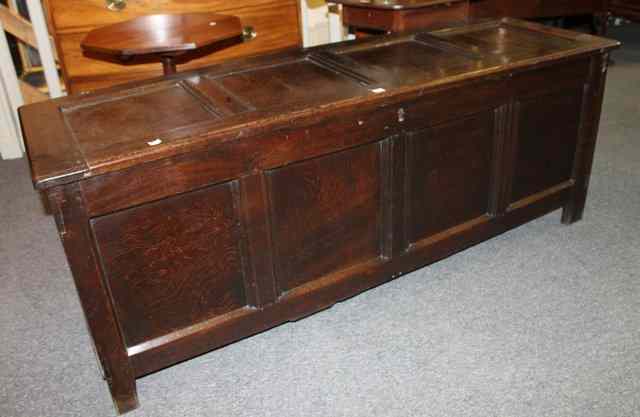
(257, 245)
(498, 117)
(147, 254)
(526, 106)
(322, 209)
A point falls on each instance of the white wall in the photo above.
(10, 141)
(10, 99)
(318, 22)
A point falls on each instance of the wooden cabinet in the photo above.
(401, 15)
(275, 23)
(626, 8)
(203, 208)
(530, 9)
(536, 8)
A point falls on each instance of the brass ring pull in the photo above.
(116, 5)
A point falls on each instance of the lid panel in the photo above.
(225, 103)
(144, 115)
(508, 43)
(299, 82)
(409, 61)
(86, 136)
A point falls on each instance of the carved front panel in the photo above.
(326, 214)
(172, 263)
(449, 174)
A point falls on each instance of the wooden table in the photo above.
(164, 37)
(274, 25)
(388, 16)
(202, 208)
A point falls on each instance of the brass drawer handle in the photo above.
(248, 33)
(116, 5)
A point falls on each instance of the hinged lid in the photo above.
(82, 136)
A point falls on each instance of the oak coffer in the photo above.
(201, 208)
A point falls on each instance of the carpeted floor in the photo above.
(541, 321)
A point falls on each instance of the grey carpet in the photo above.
(541, 321)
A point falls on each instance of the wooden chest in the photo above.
(203, 208)
(275, 23)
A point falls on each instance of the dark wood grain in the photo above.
(227, 160)
(172, 105)
(411, 61)
(402, 15)
(53, 154)
(547, 134)
(529, 9)
(162, 34)
(395, 4)
(283, 184)
(334, 287)
(499, 47)
(325, 214)
(449, 174)
(172, 263)
(289, 84)
(589, 124)
(164, 37)
(275, 22)
(97, 303)
(254, 209)
(535, 8)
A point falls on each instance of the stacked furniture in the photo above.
(274, 23)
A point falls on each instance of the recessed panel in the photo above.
(284, 85)
(172, 263)
(510, 43)
(326, 214)
(134, 118)
(547, 136)
(449, 174)
(408, 62)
